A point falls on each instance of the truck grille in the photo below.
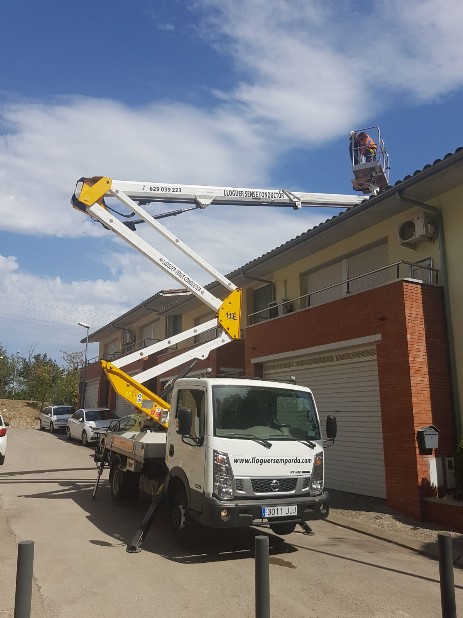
(267, 486)
(306, 482)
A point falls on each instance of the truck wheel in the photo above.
(182, 524)
(117, 482)
(52, 429)
(283, 529)
(124, 485)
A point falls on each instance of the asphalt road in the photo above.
(81, 567)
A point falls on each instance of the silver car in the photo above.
(87, 423)
(3, 439)
(55, 417)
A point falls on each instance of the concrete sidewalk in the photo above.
(372, 517)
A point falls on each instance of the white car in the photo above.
(86, 423)
(3, 439)
(55, 417)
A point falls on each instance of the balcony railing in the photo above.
(127, 348)
(422, 271)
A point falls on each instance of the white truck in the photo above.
(227, 452)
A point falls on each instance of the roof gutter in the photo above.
(450, 335)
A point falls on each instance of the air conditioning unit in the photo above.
(415, 230)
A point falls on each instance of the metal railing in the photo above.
(415, 270)
(422, 270)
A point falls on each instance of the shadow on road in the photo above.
(120, 521)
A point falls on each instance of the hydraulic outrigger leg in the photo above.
(101, 466)
(135, 545)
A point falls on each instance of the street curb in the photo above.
(427, 549)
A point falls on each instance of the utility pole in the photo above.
(84, 381)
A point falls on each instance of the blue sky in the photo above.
(258, 93)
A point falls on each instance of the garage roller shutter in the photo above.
(344, 383)
(123, 407)
(91, 394)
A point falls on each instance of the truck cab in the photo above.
(242, 452)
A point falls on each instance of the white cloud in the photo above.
(313, 68)
(309, 71)
(48, 147)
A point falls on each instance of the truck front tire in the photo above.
(182, 524)
(283, 529)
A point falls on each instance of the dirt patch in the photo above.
(20, 413)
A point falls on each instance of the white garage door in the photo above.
(123, 407)
(344, 383)
(91, 394)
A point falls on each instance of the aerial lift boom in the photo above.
(89, 197)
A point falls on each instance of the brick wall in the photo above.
(413, 370)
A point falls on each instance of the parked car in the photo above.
(55, 417)
(86, 423)
(3, 439)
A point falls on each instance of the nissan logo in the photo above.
(274, 485)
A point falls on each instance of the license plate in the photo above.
(278, 511)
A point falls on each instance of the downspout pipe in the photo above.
(272, 283)
(448, 316)
(246, 276)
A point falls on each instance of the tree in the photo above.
(41, 375)
(67, 390)
(5, 372)
(40, 378)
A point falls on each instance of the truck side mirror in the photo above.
(184, 421)
(331, 427)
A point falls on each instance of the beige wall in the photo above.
(289, 276)
(451, 204)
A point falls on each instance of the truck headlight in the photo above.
(223, 476)
(316, 484)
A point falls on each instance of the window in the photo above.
(194, 400)
(207, 335)
(365, 262)
(173, 325)
(351, 274)
(100, 415)
(128, 336)
(110, 349)
(147, 333)
(60, 410)
(261, 297)
(321, 285)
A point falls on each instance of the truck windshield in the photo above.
(264, 412)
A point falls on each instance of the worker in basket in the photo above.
(367, 146)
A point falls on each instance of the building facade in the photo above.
(363, 309)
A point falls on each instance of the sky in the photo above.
(240, 93)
